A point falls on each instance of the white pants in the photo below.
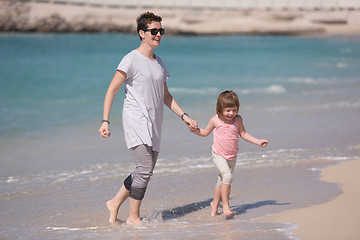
(225, 167)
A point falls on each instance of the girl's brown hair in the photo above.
(146, 18)
(227, 99)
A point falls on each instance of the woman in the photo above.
(144, 75)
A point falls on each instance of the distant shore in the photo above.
(337, 219)
(49, 17)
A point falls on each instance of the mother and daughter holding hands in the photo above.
(144, 76)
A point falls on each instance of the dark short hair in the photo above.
(227, 99)
(146, 18)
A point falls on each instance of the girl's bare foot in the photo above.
(214, 211)
(113, 211)
(229, 214)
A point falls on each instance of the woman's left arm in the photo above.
(175, 107)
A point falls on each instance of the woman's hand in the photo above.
(116, 83)
(104, 130)
(192, 124)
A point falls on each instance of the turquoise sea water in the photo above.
(62, 78)
(301, 93)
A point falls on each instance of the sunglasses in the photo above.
(155, 31)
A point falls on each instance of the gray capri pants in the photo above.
(225, 167)
(145, 159)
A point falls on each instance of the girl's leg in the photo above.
(225, 194)
(215, 203)
(225, 167)
(226, 188)
(114, 204)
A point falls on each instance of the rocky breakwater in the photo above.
(18, 16)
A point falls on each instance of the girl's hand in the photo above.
(192, 124)
(263, 142)
(104, 130)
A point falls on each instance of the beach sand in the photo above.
(337, 219)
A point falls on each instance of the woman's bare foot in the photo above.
(214, 211)
(113, 209)
(133, 222)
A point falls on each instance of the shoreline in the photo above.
(50, 17)
(337, 219)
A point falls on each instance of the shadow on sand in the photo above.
(177, 212)
(183, 210)
(193, 207)
(242, 209)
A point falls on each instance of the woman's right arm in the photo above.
(116, 83)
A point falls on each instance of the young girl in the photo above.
(227, 126)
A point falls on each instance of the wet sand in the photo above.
(337, 219)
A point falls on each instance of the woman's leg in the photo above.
(145, 160)
(114, 204)
(134, 212)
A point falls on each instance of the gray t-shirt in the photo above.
(144, 99)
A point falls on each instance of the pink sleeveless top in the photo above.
(226, 138)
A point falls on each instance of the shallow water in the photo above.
(56, 173)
